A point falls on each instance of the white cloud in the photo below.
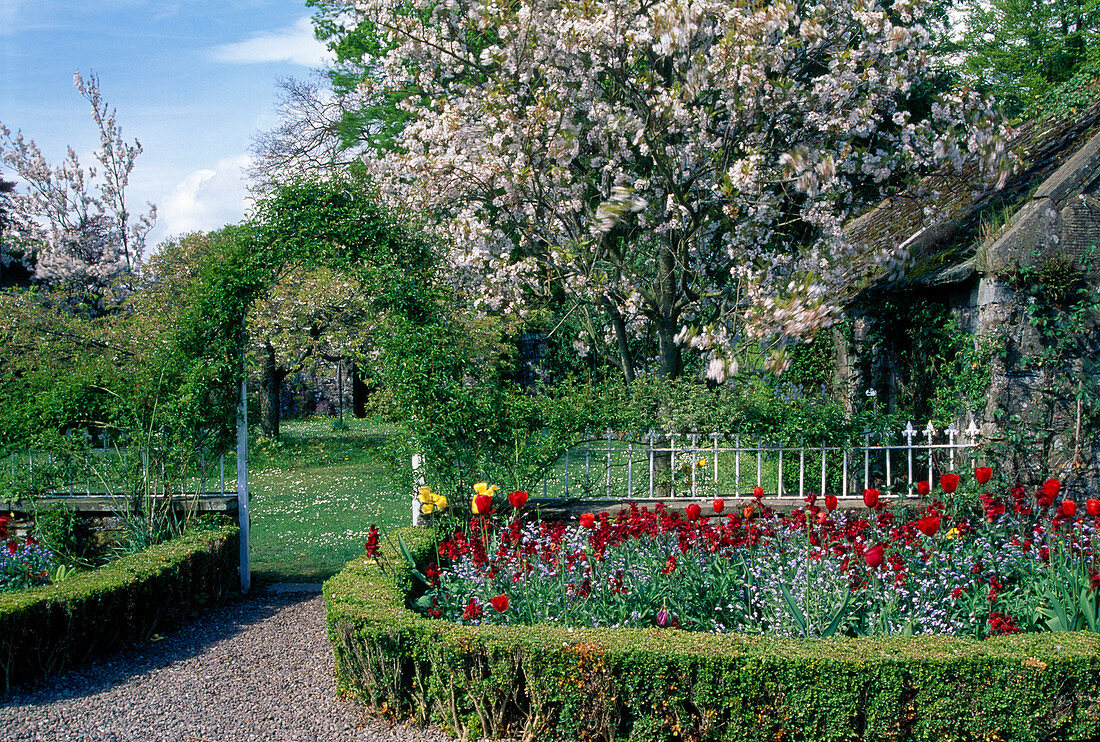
(206, 199)
(295, 44)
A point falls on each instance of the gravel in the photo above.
(259, 669)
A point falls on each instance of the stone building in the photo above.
(1019, 270)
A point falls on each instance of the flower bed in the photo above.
(45, 629)
(971, 564)
(570, 682)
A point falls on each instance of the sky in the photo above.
(192, 80)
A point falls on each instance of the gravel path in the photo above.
(260, 669)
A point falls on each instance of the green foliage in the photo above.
(932, 367)
(1021, 49)
(46, 629)
(1071, 98)
(66, 535)
(1060, 303)
(549, 682)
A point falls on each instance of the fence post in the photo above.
(652, 438)
(909, 433)
(630, 467)
(951, 431)
(242, 484)
(929, 431)
(866, 459)
(694, 460)
(609, 433)
(714, 436)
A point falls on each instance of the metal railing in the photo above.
(104, 471)
(621, 465)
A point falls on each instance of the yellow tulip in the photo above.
(426, 508)
(482, 488)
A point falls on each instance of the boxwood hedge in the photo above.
(549, 682)
(46, 629)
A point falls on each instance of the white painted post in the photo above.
(952, 431)
(715, 435)
(779, 475)
(652, 438)
(866, 460)
(672, 471)
(823, 479)
(418, 476)
(694, 460)
(909, 432)
(609, 435)
(630, 467)
(242, 484)
(802, 470)
(929, 431)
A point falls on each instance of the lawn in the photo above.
(315, 493)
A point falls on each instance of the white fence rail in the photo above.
(619, 465)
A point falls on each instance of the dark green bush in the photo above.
(658, 684)
(46, 629)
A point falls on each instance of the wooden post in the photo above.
(242, 482)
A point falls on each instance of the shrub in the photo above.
(656, 684)
(45, 629)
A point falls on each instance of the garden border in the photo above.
(45, 629)
(660, 684)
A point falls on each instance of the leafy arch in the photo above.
(335, 224)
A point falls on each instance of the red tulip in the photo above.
(929, 525)
(923, 487)
(1092, 507)
(830, 502)
(718, 505)
(693, 511)
(949, 482)
(983, 474)
(588, 520)
(518, 499)
(758, 492)
(875, 555)
(1048, 492)
(747, 512)
(1069, 508)
(499, 603)
(870, 497)
(482, 504)
(822, 517)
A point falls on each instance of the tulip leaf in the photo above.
(838, 616)
(796, 612)
(412, 562)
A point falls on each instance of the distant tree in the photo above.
(309, 141)
(1021, 49)
(91, 241)
(17, 236)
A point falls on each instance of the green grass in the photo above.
(315, 494)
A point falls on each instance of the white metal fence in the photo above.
(620, 465)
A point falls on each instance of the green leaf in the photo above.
(839, 616)
(796, 612)
(412, 562)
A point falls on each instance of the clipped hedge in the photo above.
(549, 682)
(46, 629)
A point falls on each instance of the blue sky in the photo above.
(193, 81)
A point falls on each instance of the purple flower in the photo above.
(662, 616)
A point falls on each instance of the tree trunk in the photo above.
(271, 385)
(359, 392)
(668, 314)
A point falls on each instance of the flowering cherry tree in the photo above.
(682, 169)
(89, 242)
